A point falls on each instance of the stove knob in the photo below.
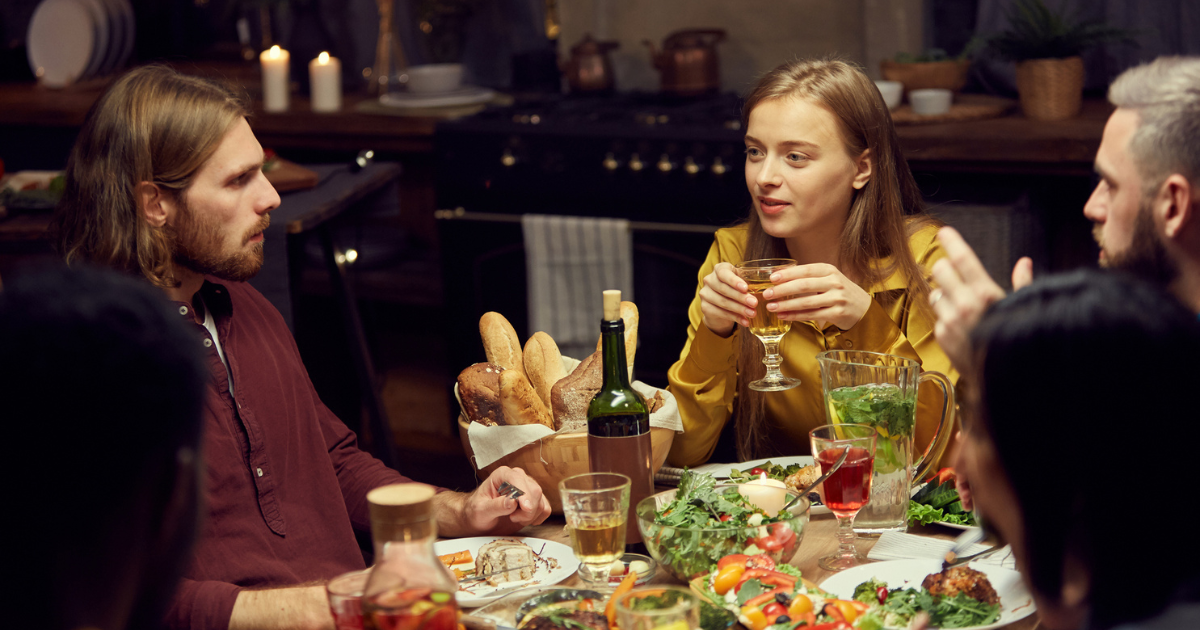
(635, 163)
(691, 166)
(718, 167)
(664, 163)
(507, 158)
(610, 163)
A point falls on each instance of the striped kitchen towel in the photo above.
(569, 262)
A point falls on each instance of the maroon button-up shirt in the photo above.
(286, 482)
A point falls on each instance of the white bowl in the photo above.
(930, 102)
(435, 77)
(892, 91)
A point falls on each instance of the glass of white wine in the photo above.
(766, 325)
(596, 506)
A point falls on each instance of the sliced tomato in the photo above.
(767, 543)
(783, 533)
(733, 558)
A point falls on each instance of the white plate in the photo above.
(60, 42)
(799, 460)
(1015, 601)
(480, 593)
(466, 95)
(101, 44)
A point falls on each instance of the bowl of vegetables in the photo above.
(689, 529)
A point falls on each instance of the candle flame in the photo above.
(274, 52)
(763, 477)
(323, 58)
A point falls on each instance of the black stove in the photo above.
(672, 166)
(643, 156)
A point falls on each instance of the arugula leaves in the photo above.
(774, 471)
(959, 611)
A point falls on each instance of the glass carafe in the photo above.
(881, 390)
(409, 587)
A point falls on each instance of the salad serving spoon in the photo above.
(803, 493)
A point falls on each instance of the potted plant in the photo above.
(1046, 46)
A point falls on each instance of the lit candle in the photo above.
(768, 494)
(275, 79)
(325, 81)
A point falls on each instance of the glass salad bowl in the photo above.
(688, 552)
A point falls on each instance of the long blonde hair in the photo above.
(152, 125)
(883, 214)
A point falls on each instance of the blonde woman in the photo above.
(829, 188)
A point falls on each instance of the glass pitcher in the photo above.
(881, 390)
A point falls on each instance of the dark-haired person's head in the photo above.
(101, 398)
(1077, 442)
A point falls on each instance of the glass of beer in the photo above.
(766, 325)
(596, 506)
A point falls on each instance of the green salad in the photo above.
(703, 524)
(771, 470)
(897, 609)
(938, 502)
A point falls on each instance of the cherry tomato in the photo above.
(881, 593)
(783, 533)
(728, 577)
(725, 517)
(848, 610)
(733, 558)
(768, 543)
(801, 605)
(757, 620)
(773, 611)
(760, 561)
(756, 471)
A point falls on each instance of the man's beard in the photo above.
(197, 246)
(1145, 257)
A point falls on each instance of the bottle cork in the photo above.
(612, 305)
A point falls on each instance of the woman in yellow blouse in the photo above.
(830, 189)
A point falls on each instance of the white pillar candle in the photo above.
(325, 81)
(275, 79)
(768, 494)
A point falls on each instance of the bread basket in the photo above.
(556, 457)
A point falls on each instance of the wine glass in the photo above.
(847, 489)
(596, 506)
(766, 325)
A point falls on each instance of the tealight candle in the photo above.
(767, 494)
(325, 81)
(275, 79)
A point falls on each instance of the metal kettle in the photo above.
(588, 69)
(688, 64)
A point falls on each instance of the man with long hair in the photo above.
(165, 181)
(1145, 209)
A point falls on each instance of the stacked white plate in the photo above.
(73, 40)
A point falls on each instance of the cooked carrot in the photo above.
(456, 558)
(626, 585)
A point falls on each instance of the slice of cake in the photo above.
(506, 560)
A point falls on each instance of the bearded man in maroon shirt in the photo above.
(165, 181)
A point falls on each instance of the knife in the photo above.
(476, 578)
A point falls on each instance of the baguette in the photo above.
(543, 364)
(629, 314)
(520, 402)
(571, 395)
(500, 342)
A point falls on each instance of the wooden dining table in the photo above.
(819, 540)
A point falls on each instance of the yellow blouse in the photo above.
(704, 379)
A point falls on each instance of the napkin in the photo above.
(902, 546)
(492, 443)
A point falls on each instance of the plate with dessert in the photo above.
(490, 567)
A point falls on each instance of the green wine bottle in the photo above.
(619, 419)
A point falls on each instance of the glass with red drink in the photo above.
(345, 599)
(848, 489)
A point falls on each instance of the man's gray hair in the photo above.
(1166, 95)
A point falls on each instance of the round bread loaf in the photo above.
(479, 391)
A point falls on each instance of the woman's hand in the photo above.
(817, 292)
(724, 300)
